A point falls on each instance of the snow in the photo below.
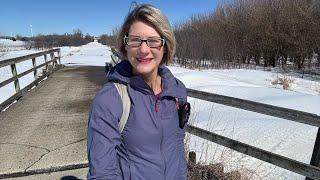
(291, 139)
(9, 45)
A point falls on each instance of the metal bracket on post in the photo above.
(14, 74)
(315, 159)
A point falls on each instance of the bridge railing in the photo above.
(311, 171)
(50, 65)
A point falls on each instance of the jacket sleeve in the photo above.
(103, 136)
(182, 172)
(183, 166)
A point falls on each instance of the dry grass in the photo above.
(283, 80)
(213, 157)
(316, 87)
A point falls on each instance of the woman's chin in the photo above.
(143, 70)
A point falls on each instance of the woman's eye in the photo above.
(135, 40)
(153, 40)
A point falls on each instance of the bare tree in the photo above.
(264, 32)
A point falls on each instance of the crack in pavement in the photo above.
(36, 161)
(26, 145)
(70, 144)
(52, 151)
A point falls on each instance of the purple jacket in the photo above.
(151, 145)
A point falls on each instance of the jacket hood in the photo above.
(171, 86)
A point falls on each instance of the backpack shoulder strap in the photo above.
(126, 103)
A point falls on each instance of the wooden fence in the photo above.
(311, 171)
(50, 66)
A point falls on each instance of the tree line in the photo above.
(110, 40)
(266, 33)
(77, 38)
(261, 32)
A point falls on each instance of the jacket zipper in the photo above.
(157, 110)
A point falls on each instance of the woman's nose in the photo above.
(144, 48)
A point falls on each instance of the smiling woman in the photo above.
(144, 59)
(151, 145)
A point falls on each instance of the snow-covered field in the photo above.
(9, 45)
(91, 54)
(287, 138)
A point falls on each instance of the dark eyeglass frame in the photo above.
(126, 38)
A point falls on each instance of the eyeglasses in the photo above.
(134, 41)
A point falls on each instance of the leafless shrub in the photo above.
(3, 49)
(55, 40)
(283, 80)
(263, 32)
(110, 40)
(29, 45)
(316, 87)
(318, 90)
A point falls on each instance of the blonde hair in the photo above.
(149, 14)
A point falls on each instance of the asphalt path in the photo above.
(45, 130)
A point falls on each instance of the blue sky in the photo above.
(95, 17)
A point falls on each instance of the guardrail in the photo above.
(50, 66)
(311, 171)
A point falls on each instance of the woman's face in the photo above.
(144, 60)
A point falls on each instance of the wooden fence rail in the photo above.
(275, 111)
(311, 171)
(50, 65)
(275, 159)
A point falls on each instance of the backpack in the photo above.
(126, 104)
(122, 90)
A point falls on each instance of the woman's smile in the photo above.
(144, 60)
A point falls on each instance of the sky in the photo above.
(96, 17)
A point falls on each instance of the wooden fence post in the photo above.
(59, 56)
(45, 60)
(35, 70)
(14, 73)
(315, 159)
(192, 157)
(54, 62)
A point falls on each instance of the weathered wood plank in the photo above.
(24, 73)
(315, 159)
(26, 57)
(275, 111)
(34, 64)
(275, 159)
(14, 74)
(117, 54)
